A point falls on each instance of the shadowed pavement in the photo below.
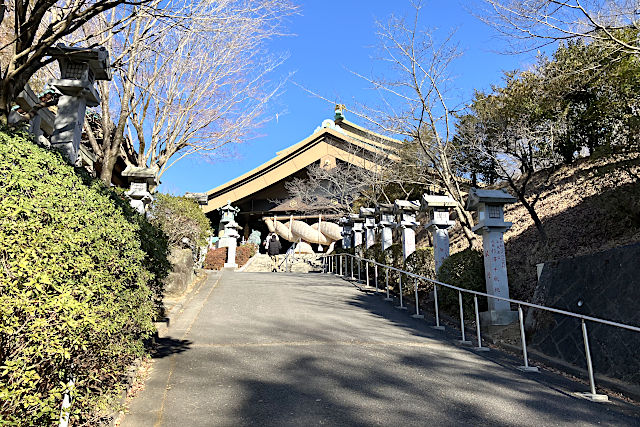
(277, 349)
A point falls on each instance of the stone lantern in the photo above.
(347, 232)
(231, 241)
(79, 69)
(358, 230)
(491, 226)
(406, 210)
(386, 222)
(368, 215)
(228, 214)
(439, 224)
(142, 181)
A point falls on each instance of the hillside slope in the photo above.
(586, 207)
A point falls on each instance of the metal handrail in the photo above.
(290, 251)
(330, 265)
(514, 301)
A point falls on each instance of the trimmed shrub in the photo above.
(244, 253)
(180, 217)
(215, 259)
(466, 270)
(76, 300)
(422, 262)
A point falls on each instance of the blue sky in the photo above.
(331, 39)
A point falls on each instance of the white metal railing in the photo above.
(334, 264)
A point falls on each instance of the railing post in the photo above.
(435, 306)
(359, 268)
(340, 263)
(352, 276)
(592, 395)
(464, 339)
(375, 276)
(366, 266)
(401, 307)
(475, 306)
(388, 298)
(417, 315)
(525, 367)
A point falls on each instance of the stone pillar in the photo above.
(227, 216)
(79, 68)
(491, 226)
(358, 230)
(386, 222)
(439, 224)
(142, 181)
(347, 232)
(231, 235)
(368, 215)
(407, 210)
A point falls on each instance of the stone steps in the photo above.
(303, 264)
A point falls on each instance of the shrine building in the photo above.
(261, 192)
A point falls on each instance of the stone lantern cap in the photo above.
(345, 221)
(201, 198)
(406, 206)
(96, 58)
(490, 207)
(355, 218)
(368, 214)
(429, 201)
(141, 179)
(478, 197)
(233, 224)
(440, 206)
(386, 215)
(407, 209)
(228, 213)
(384, 208)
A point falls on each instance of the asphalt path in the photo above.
(278, 349)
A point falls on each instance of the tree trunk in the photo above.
(108, 163)
(534, 216)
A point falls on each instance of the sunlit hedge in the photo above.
(76, 298)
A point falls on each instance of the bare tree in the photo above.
(531, 24)
(414, 105)
(34, 27)
(193, 82)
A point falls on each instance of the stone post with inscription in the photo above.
(491, 226)
(406, 211)
(386, 222)
(358, 230)
(368, 215)
(439, 224)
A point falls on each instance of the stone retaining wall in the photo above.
(604, 285)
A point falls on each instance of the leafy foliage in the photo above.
(180, 218)
(465, 270)
(215, 259)
(76, 300)
(244, 253)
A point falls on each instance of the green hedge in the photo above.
(76, 300)
(464, 269)
(180, 217)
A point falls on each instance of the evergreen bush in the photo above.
(76, 300)
(179, 218)
(465, 270)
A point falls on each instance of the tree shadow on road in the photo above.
(167, 346)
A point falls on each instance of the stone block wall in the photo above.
(182, 272)
(604, 285)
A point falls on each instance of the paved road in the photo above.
(277, 349)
